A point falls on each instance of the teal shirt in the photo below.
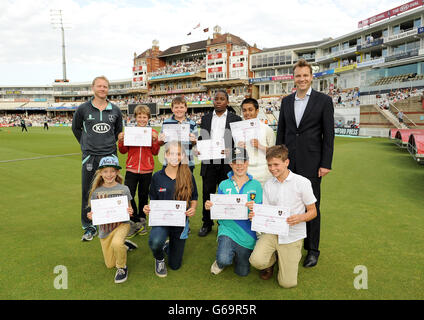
(240, 230)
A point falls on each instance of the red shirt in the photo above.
(140, 159)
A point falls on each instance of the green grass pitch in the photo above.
(372, 216)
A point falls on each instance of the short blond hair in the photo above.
(279, 151)
(142, 109)
(101, 77)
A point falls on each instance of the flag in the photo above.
(206, 30)
(189, 33)
(196, 26)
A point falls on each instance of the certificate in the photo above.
(110, 210)
(138, 136)
(211, 149)
(176, 132)
(270, 219)
(167, 213)
(229, 207)
(244, 131)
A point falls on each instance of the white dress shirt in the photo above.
(218, 125)
(295, 192)
(300, 106)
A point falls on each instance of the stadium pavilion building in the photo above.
(385, 53)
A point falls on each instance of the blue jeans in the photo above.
(229, 250)
(175, 251)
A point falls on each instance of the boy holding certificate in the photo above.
(285, 189)
(140, 165)
(107, 183)
(179, 117)
(236, 240)
(173, 183)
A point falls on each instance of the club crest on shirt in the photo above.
(252, 196)
(112, 117)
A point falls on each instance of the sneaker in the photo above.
(143, 228)
(160, 268)
(136, 228)
(130, 245)
(89, 234)
(215, 269)
(121, 275)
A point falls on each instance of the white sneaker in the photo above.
(215, 269)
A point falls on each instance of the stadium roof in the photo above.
(191, 47)
(299, 45)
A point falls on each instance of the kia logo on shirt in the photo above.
(101, 128)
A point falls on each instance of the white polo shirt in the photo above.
(295, 192)
(218, 125)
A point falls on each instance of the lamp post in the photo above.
(57, 23)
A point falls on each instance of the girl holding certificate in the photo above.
(174, 182)
(140, 165)
(107, 183)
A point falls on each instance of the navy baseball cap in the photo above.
(239, 154)
(109, 161)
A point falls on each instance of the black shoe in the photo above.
(310, 261)
(204, 231)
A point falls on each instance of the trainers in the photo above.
(215, 269)
(121, 275)
(130, 245)
(160, 268)
(136, 228)
(89, 234)
(143, 228)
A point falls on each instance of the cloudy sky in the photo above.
(102, 36)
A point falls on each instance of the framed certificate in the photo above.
(229, 207)
(270, 219)
(176, 132)
(138, 136)
(167, 213)
(110, 210)
(211, 149)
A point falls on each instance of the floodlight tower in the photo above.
(57, 23)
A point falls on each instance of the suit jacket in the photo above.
(311, 145)
(205, 133)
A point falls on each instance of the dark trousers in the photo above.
(214, 174)
(311, 243)
(157, 239)
(142, 181)
(90, 164)
(24, 128)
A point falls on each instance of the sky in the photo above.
(102, 36)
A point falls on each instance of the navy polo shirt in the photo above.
(162, 187)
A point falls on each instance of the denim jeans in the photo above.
(175, 251)
(229, 250)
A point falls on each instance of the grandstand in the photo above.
(377, 70)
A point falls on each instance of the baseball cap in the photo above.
(109, 161)
(239, 154)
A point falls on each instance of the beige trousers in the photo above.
(289, 255)
(114, 250)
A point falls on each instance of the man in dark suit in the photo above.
(306, 127)
(215, 125)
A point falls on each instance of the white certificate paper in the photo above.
(138, 136)
(176, 132)
(244, 131)
(110, 210)
(229, 207)
(211, 149)
(270, 219)
(167, 213)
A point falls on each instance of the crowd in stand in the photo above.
(384, 100)
(36, 119)
(345, 98)
(181, 67)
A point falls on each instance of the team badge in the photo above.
(238, 200)
(89, 166)
(252, 196)
(111, 117)
(280, 212)
(177, 206)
